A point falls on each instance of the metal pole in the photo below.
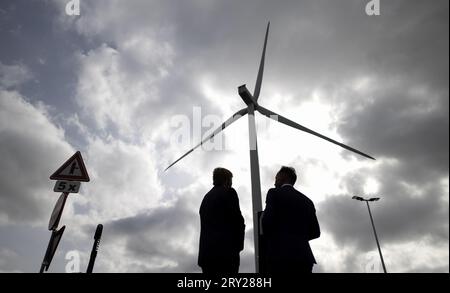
(376, 237)
(42, 268)
(256, 183)
(97, 236)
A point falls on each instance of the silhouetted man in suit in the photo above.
(222, 227)
(289, 221)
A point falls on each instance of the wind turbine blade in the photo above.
(233, 118)
(261, 67)
(291, 123)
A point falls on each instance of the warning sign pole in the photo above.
(69, 176)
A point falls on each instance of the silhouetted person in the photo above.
(289, 221)
(222, 227)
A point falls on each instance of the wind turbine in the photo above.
(252, 105)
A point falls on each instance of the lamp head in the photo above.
(358, 198)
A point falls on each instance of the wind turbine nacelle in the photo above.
(246, 95)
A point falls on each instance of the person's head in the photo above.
(222, 177)
(286, 175)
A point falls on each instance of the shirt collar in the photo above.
(287, 184)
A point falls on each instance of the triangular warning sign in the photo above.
(72, 169)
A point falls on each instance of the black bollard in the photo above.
(97, 236)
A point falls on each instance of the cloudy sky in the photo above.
(115, 82)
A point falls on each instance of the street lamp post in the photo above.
(373, 225)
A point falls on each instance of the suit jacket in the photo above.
(222, 226)
(289, 221)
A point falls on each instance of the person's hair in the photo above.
(221, 176)
(290, 174)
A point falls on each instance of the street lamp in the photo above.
(373, 225)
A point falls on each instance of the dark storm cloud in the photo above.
(406, 115)
(411, 129)
(400, 216)
(160, 236)
(405, 119)
(49, 57)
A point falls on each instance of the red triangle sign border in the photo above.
(79, 159)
